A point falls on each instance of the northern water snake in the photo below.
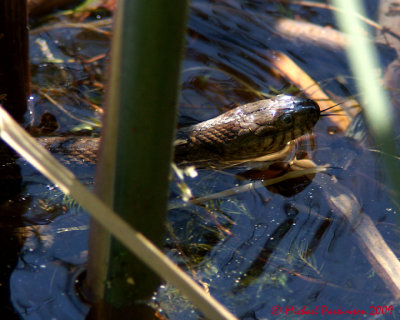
(245, 132)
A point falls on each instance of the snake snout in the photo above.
(308, 110)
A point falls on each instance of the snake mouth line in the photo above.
(247, 132)
(263, 127)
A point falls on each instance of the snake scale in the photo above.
(248, 131)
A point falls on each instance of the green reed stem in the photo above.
(378, 110)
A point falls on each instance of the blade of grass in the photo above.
(379, 115)
(378, 110)
(136, 242)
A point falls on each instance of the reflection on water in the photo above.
(286, 246)
(260, 249)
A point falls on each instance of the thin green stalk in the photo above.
(133, 173)
(42, 160)
(378, 110)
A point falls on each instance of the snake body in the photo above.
(246, 132)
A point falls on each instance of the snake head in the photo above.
(296, 113)
(248, 131)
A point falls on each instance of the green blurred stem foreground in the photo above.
(377, 108)
(132, 176)
(40, 158)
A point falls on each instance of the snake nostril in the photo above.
(246, 132)
(253, 130)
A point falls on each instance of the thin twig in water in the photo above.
(251, 186)
(54, 102)
(92, 26)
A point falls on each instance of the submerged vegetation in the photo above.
(249, 241)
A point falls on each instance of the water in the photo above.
(288, 247)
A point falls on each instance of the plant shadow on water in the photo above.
(53, 228)
(271, 247)
(285, 246)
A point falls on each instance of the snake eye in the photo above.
(287, 119)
